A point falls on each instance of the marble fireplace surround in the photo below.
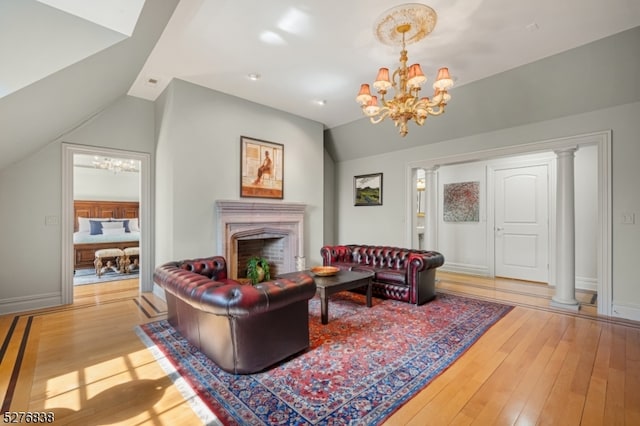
(238, 220)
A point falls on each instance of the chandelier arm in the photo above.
(419, 120)
(382, 116)
(436, 112)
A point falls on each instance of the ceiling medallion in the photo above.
(402, 25)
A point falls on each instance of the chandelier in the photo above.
(115, 165)
(405, 24)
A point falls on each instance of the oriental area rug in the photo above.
(359, 369)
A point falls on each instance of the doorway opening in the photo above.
(69, 221)
(600, 207)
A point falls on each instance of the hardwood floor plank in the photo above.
(443, 399)
(22, 391)
(13, 360)
(492, 396)
(521, 372)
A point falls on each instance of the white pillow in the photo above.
(112, 231)
(85, 226)
(112, 225)
(133, 225)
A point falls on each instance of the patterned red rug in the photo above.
(360, 368)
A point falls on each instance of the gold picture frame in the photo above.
(261, 168)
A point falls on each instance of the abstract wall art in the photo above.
(462, 202)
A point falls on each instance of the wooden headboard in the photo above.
(106, 209)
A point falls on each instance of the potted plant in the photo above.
(258, 269)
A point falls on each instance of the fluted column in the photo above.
(565, 296)
(431, 209)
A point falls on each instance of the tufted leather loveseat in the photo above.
(241, 327)
(402, 274)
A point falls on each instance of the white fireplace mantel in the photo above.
(239, 219)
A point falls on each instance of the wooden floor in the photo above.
(84, 363)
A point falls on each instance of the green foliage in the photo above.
(253, 265)
(368, 196)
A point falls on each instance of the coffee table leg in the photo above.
(324, 307)
(369, 291)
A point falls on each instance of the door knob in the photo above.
(499, 228)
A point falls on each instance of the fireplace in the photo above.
(272, 230)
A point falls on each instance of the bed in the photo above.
(86, 242)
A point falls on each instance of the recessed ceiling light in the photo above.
(321, 102)
(254, 76)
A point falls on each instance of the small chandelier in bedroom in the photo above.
(115, 165)
(402, 25)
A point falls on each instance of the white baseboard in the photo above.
(463, 268)
(628, 311)
(29, 303)
(159, 292)
(584, 283)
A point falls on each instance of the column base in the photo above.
(570, 306)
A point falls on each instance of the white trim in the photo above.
(29, 303)
(602, 140)
(146, 264)
(627, 311)
(463, 268)
(585, 283)
(605, 225)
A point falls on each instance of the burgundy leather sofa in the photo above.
(242, 328)
(402, 274)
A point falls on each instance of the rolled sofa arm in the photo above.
(190, 281)
(246, 299)
(332, 254)
(425, 260)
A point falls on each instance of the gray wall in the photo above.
(198, 162)
(30, 255)
(329, 204)
(598, 75)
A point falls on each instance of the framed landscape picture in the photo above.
(261, 168)
(367, 190)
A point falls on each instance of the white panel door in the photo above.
(522, 223)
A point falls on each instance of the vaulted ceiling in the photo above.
(63, 61)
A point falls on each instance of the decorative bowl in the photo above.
(324, 271)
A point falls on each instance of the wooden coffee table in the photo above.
(343, 280)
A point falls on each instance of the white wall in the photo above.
(104, 185)
(31, 189)
(386, 224)
(198, 162)
(586, 206)
(464, 244)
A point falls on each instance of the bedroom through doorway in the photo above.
(106, 219)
